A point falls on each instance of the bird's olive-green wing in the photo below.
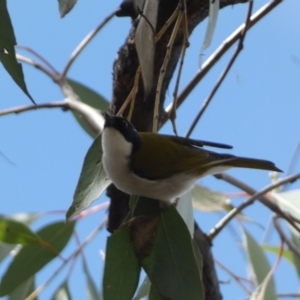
(162, 156)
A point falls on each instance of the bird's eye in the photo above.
(125, 123)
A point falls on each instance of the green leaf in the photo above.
(13, 232)
(122, 269)
(144, 42)
(143, 290)
(5, 249)
(7, 49)
(92, 292)
(63, 292)
(23, 290)
(287, 254)
(185, 209)
(91, 98)
(290, 202)
(260, 268)
(92, 181)
(212, 21)
(65, 6)
(32, 258)
(172, 266)
(153, 294)
(205, 199)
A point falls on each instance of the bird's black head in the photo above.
(125, 128)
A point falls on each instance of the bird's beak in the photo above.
(109, 120)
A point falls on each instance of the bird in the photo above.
(159, 166)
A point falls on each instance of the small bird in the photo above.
(162, 167)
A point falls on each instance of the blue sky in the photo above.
(256, 110)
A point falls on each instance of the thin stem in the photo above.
(37, 66)
(284, 237)
(262, 199)
(238, 279)
(90, 237)
(84, 43)
(238, 50)
(20, 109)
(163, 69)
(41, 58)
(223, 222)
(226, 45)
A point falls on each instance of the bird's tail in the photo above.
(252, 163)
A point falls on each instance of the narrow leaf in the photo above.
(92, 181)
(32, 258)
(23, 290)
(13, 232)
(172, 266)
(205, 199)
(92, 292)
(290, 201)
(91, 98)
(185, 209)
(287, 254)
(7, 50)
(65, 6)
(5, 249)
(260, 267)
(153, 294)
(214, 6)
(122, 269)
(143, 290)
(144, 41)
(62, 293)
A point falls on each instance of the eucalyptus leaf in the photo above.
(33, 257)
(92, 181)
(172, 265)
(205, 199)
(185, 209)
(122, 268)
(23, 290)
(290, 202)
(65, 6)
(5, 250)
(214, 6)
(260, 269)
(91, 98)
(153, 294)
(287, 254)
(7, 50)
(63, 292)
(13, 232)
(92, 292)
(143, 290)
(144, 42)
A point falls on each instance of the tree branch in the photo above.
(223, 222)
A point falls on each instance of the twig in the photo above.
(92, 116)
(283, 236)
(238, 50)
(293, 161)
(41, 58)
(223, 222)
(37, 66)
(183, 51)
(91, 236)
(84, 43)
(163, 69)
(20, 109)
(264, 200)
(214, 58)
(238, 279)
